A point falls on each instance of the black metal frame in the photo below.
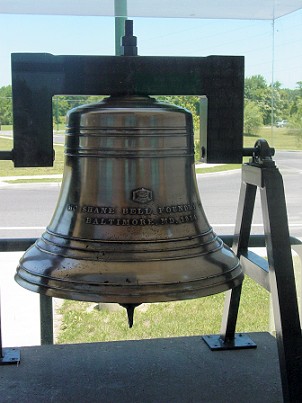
(276, 274)
(36, 78)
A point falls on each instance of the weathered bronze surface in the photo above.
(129, 226)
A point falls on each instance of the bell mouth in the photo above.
(132, 282)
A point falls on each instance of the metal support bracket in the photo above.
(276, 274)
(239, 341)
(8, 355)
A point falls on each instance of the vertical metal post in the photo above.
(282, 284)
(298, 249)
(244, 217)
(241, 241)
(120, 11)
(203, 129)
(230, 314)
(46, 319)
(8, 355)
(228, 339)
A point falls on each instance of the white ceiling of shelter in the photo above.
(214, 9)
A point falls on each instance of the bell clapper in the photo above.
(130, 312)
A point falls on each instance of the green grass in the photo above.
(7, 167)
(86, 322)
(81, 322)
(218, 168)
(281, 139)
(6, 127)
(34, 180)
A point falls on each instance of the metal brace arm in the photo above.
(276, 274)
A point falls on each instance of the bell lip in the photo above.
(142, 293)
(168, 278)
(166, 296)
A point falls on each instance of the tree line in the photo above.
(265, 104)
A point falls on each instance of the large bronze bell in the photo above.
(129, 226)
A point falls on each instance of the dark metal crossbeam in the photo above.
(36, 78)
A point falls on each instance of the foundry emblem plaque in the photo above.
(142, 195)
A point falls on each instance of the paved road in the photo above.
(26, 209)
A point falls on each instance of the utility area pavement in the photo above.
(174, 370)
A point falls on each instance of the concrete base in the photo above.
(159, 370)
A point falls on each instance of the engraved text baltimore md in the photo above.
(137, 216)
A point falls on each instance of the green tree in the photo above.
(257, 91)
(279, 104)
(253, 119)
(188, 102)
(274, 102)
(294, 97)
(61, 104)
(295, 123)
(59, 109)
(299, 90)
(6, 115)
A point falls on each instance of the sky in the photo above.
(272, 49)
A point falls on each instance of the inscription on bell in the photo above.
(98, 210)
(133, 222)
(136, 211)
(142, 195)
(72, 207)
(137, 216)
